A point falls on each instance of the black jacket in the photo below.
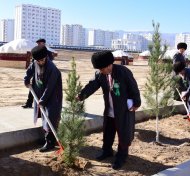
(128, 89)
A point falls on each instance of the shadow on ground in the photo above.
(149, 136)
(133, 163)
(10, 166)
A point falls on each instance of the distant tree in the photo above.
(159, 86)
(71, 128)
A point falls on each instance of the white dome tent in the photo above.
(119, 53)
(16, 54)
(170, 54)
(145, 53)
(122, 57)
(17, 46)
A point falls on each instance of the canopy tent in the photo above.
(20, 46)
(122, 57)
(17, 46)
(119, 53)
(145, 53)
(169, 54)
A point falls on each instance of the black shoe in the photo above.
(27, 106)
(47, 147)
(104, 155)
(119, 162)
(185, 117)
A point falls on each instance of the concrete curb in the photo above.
(20, 137)
(13, 138)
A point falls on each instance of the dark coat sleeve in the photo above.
(29, 74)
(53, 76)
(50, 55)
(178, 57)
(92, 86)
(187, 78)
(133, 90)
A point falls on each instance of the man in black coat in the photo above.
(122, 98)
(47, 84)
(179, 57)
(29, 101)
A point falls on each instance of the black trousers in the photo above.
(109, 131)
(50, 138)
(30, 99)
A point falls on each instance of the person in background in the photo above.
(47, 84)
(184, 73)
(42, 42)
(179, 57)
(29, 101)
(121, 98)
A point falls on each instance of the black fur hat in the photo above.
(39, 52)
(178, 66)
(182, 45)
(41, 40)
(102, 59)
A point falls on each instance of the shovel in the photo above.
(184, 104)
(47, 119)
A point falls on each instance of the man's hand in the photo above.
(41, 102)
(27, 85)
(133, 108)
(184, 98)
(77, 98)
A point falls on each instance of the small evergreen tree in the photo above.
(158, 88)
(71, 129)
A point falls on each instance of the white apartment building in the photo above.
(73, 35)
(131, 42)
(109, 36)
(147, 36)
(33, 22)
(101, 38)
(96, 37)
(6, 30)
(183, 37)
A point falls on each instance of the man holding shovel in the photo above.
(48, 89)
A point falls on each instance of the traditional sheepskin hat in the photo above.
(182, 45)
(41, 40)
(102, 59)
(39, 52)
(178, 66)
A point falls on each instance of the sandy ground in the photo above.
(145, 157)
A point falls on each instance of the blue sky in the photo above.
(128, 15)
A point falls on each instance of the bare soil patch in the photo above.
(145, 157)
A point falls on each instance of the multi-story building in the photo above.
(73, 35)
(131, 42)
(96, 37)
(101, 38)
(33, 22)
(6, 30)
(109, 36)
